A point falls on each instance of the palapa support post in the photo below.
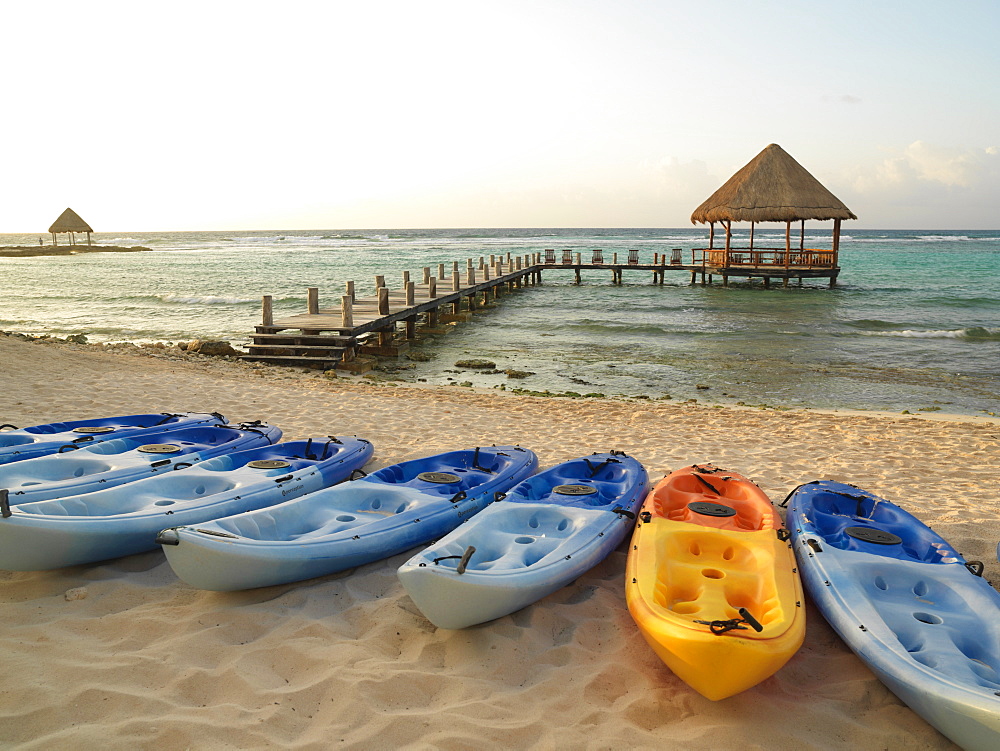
(729, 242)
(836, 244)
(347, 312)
(312, 300)
(788, 243)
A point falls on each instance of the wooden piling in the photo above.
(266, 311)
(347, 311)
(312, 300)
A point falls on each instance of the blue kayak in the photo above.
(921, 617)
(40, 440)
(548, 531)
(389, 511)
(121, 460)
(125, 519)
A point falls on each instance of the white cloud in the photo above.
(923, 164)
(926, 185)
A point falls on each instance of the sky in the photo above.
(298, 114)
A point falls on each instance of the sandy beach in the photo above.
(123, 655)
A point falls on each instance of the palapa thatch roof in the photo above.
(69, 221)
(773, 187)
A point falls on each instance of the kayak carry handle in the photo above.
(465, 559)
(182, 465)
(621, 511)
(8, 425)
(359, 472)
(814, 544)
(168, 537)
(475, 463)
(784, 534)
(498, 496)
(748, 617)
(68, 447)
(975, 567)
(706, 483)
(4, 503)
(459, 496)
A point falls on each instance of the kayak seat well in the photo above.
(7, 441)
(834, 518)
(934, 623)
(672, 501)
(48, 469)
(194, 487)
(472, 468)
(705, 576)
(539, 488)
(342, 508)
(467, 479)
(517, 536)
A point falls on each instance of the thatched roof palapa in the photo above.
(772, 187)
(69, 221)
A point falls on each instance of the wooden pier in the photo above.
(386, 322)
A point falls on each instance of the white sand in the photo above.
(123, 655)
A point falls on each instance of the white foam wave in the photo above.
(920, 239)
(205, 299)
(975, 333)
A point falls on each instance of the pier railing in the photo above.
(810, 258)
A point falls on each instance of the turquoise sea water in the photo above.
(914, 323)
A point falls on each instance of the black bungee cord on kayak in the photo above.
(463, 562)
(733, 624)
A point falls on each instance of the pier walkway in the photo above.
(341, 337)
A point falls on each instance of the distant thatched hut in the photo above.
(772, 187)
(69, 221)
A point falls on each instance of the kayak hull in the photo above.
(41, 440)
(530, 544)
(121, 460)
(694, 586)
(126, 519)
(912, 610)
(388, 512)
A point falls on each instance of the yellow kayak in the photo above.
(712, 581)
